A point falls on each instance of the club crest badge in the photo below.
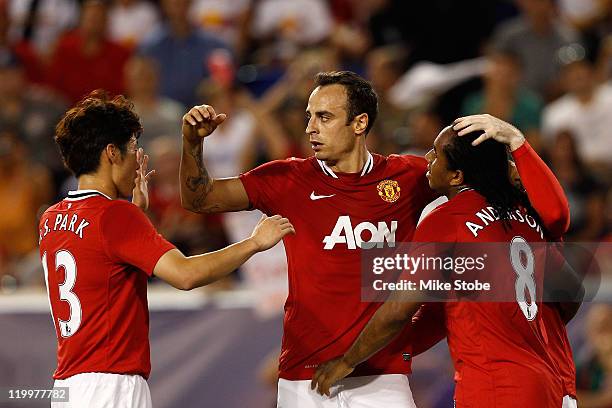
(389, 190)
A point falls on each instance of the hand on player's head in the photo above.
(200, 122)
(270, 230)
(491, 128)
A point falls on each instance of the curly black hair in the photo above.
(93, 123)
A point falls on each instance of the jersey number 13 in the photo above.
(64, 259)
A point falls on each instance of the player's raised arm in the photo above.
(543, 189)
(187, 273)
(200, 192)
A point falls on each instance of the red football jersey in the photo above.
(335, 216)
(97, 254)
(502, 351)
(560, 348)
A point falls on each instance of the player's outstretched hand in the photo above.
(492, 128)
(328, 374)
(140, 194)
(270, 230)
(200, 122)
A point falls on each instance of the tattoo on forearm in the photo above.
(200, 184)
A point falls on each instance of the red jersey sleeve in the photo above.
(543, 189)
(263, 183)
(129, 237)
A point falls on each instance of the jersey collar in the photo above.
(367, 167)
(83, 194)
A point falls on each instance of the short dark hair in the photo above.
(360, 95)
(93, 123)
(486, 169)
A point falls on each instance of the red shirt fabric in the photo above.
(502, 358)
(97, 254)
(333, 219)
(75, 74)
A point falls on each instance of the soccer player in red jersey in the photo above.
(502, 351)
(98, 251)
(342, 200)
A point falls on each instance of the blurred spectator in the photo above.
(225, 148)
(181, 51)
(594, 373)
(30, 113)
(22, 49)
(433, 30)
(426, 81)
(298, 79)
(25, 187)
(86, 59)
(159, 116)
(423, 127)
(384, 66)
(236, 145)
(284, 26)
(580, 13)
(42, 21)
(190, 232)
(223, 18)
(585, 111)
(350, 36)
(537, 37)
(585, 194)
(130, 21)
(504, 97)
(270, 141)
(286, 101)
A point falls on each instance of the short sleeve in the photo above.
(265, 183)
(129, 237)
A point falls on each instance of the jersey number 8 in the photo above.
(65, 259)
(519, 248)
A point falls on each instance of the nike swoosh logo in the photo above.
(314, 197)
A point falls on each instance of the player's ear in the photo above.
(456, 178)
(515, 178)
(360, 124)
(112, 153)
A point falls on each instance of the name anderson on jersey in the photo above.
(488, 215)
(62, 223)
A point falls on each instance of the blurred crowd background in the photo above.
(543, 65)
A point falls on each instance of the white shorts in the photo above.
(389, 391)
(569, 402)
(104, 390)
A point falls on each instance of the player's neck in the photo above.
(353, 162)
(453, 191)
(99, 183)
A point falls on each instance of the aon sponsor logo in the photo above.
(344, 233)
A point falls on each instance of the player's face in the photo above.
(124, 171)
(437, 166)
(329, 135)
